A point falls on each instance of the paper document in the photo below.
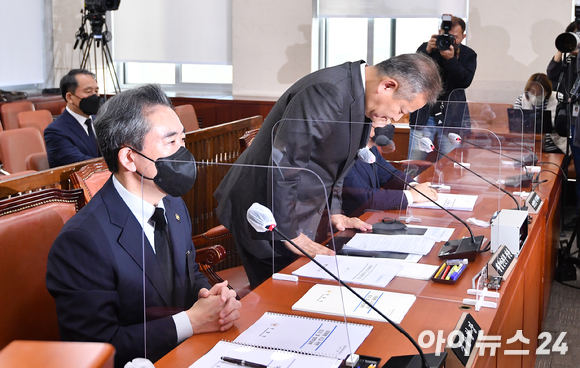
(460, 202)
(354, 264)
(266, 357)
(305, 335)
(358, 270)
(417, 244)
(437, 233)
(329, 299)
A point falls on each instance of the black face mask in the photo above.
(175, 173)
(384, 135)
(90, 105)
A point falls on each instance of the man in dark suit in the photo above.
(71, 137)
(130, 247)
(370, 186)
(317, 126)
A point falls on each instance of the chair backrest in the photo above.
(37, 161)
(91, 178)
(38, 119)
(188, 117)
(57, 354)
(16, 145)
(29, 224)
(9, 112)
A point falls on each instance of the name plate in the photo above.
(534, 202)
(502, 263)
(461, 349)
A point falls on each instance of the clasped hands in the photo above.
(216, 309)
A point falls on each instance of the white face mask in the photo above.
(536, 101)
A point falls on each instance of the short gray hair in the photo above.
(415, 73)
(123, 120)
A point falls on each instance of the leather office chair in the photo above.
(57, 354)
(37, 162)
(188, 117)
(9, 112)
(29, 224)
(16, 145)
(38, 119)
(92, 177)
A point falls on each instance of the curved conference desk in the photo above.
(521, 306)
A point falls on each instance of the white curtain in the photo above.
(391, 8)
(21, 45)
(173, 31)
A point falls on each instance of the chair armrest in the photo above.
(213, 234)
(206, 258)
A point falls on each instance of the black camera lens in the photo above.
(567, 42)
(444, 42)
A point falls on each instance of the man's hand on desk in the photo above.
(309, 246)
(341, 223)
(426, 189)
(215, 310)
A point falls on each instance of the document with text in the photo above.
(338, 301)
(358, 270)
(459, 202)
(417, 244)
(305, 334)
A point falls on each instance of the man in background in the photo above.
(71, 137)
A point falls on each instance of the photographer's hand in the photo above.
(432, 44)
(449, 53)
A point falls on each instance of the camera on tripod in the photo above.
(445, 40)
(569, 41)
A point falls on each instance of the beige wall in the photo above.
(513, 40)
(271, 45)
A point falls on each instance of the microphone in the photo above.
(458, 248)
(262, 220)
(471, 171)
(384, 137)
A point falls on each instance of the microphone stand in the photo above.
(481, 177)
(395, 325)
(475, 241)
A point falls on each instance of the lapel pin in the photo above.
(177, 217)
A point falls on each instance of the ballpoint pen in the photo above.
(243, 363)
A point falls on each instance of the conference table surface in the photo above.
(437, 306)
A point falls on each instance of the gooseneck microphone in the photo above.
(262, 220)
(426, 142)
(368, 157)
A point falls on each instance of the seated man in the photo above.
(71, 138)
(95, 267)
(364, 186)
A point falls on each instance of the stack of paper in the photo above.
(460, 202)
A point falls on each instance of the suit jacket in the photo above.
(363, 187)
(95, 273)
(67, 142)
(309, 124)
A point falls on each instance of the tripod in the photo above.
(97, 39)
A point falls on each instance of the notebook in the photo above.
(541, 119)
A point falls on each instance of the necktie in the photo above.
(162, 246)
(93, 139)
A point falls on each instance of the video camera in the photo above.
(445, 40)
(569, 41)
(101, 6)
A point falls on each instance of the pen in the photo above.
(446, 272)
(440, 270)
(243, 363)
(452, 272)
(459, 271)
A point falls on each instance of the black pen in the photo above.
(243, 363)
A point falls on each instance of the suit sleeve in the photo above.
(81, 276)
(60, 148)
(359, 194)
(304, 127)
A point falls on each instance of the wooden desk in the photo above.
(437, 306)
